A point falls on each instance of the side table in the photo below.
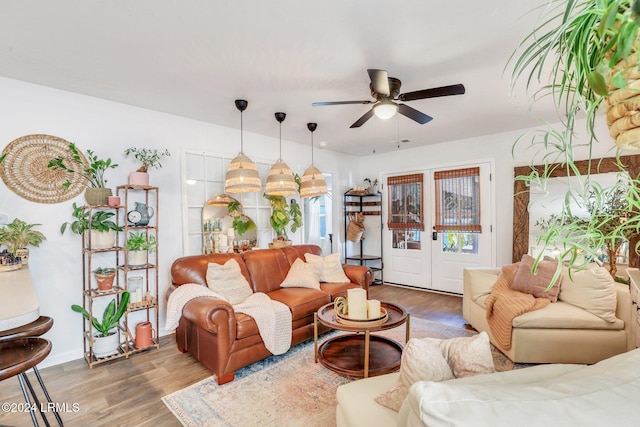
(360, 354)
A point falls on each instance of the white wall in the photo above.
(109, 128)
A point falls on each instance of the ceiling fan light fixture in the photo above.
(280, 181)
(312, 183)
(385, 110)
(242, 174)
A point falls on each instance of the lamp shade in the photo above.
(280, 181)
(313, 183)
(242, 176)
(220, 200)
(385, 110)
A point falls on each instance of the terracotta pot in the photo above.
(97, 196)
(105, 281)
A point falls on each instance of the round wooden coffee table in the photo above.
(360, 354)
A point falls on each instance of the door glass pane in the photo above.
(407, 239)
(459, 243)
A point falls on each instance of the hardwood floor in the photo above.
(127, 392)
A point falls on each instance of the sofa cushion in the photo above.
(537, 284)
(482, 284)
(468, 356)
(592, 289)
(301, 301)
(302, 275)
(602, 394)
(560, 315)
(228, 281)
(331, 268)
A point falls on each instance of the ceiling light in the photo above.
(220, 200)
(312, 182)
(242, 174)
(385, 109)
(280, 181)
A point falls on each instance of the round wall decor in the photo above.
(25, 169)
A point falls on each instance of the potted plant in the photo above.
(104, 278)
(17, 235)
(372, 185)
(241, 223)
(92, 169)
(138, 247)
(149, 158)
(105, 340)
(283, 215)
(102, 230)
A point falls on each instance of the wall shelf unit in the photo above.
(368, 205)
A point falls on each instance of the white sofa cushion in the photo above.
(560, 315)
(592, 289)
(602, 394)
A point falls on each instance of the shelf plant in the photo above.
(147, 157)
(110, 317)
(104, 277)
(138, 246)
(101, 227)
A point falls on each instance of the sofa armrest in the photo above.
(213, 315)
(359, 274)
(623, 311)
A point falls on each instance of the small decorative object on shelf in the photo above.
(148, 158)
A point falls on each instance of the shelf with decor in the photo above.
(139, 266)
(367, 205)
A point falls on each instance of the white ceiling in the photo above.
(193, 58)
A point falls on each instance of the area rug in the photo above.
(288, 390)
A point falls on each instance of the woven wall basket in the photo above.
(623, 107)
(25, 169)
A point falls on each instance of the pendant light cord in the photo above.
(280, 141)
(241, 139)
(311, 148)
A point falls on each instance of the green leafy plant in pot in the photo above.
(100, 226)
(148, 158)
(92, 169)
(104, 278)
(106, 337)
(138, 247)
(283, 216)
(241, 223)
(17, 235)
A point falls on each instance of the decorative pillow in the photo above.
(422, 360)
(228, 281)
(468, 356)
(302, 275)
(332, 271)
(536, 285)
(592, 289)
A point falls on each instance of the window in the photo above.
(457, 199)
(406, 219)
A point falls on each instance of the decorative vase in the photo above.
(105, 281)
(139, 178)
(102, 239)
(136, 258)
(97, 196)
(23, 253)
(105, 346)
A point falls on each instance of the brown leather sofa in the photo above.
(225, 341)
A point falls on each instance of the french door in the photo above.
(454, 231)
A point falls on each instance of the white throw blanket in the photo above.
(272, 317)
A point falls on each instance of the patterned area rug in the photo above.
(287, 390)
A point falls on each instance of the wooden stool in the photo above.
(16, 357)
(34, 329)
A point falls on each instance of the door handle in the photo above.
(434, 235)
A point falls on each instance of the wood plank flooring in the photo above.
(127, 392)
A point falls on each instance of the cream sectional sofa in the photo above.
(545, 395)
(558, 333)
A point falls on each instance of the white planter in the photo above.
(102, 239)
(136, 258)
(105, 346)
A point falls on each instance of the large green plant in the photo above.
(241, 223)
(284, 215)
(18, 235)
(93, 170)
(100, 221)
(578, 44)
(141, 242)
(110, 317)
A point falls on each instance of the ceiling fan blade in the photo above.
(432, 93)
(379, 81)
(319, 104)
(413, 114)
(362, 119)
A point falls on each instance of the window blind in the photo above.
(457, 200)
(405, 202)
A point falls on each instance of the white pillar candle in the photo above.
(357, 303)
(373, 309)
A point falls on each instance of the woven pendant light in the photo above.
(313, 183)
(242, 174)
(220, 200)
(280, 181)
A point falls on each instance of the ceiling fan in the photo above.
(386, 90)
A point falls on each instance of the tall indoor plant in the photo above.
(284, 215)
(92, 169)
(587, 48)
